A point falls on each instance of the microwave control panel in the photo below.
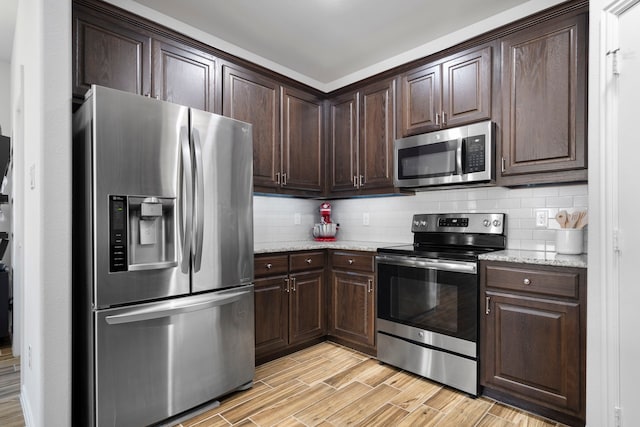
(117, 233)
(474, 154)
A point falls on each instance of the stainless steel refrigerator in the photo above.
(163, 316)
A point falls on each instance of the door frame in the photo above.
(603, 329)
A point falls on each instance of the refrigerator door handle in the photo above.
(199, 201)
(186, 202)
(173, 308)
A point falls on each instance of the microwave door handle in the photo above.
(199, 201)
(186, 202)
(459, 154)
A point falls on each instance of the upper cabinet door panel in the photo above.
(109, 54)
(376, 136)
(466, 88)
(184, 76)
(543, 96)
(255, 99)
(343, 142)
(421, 97)
(303, 160)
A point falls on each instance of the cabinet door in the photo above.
(421, 91)
(255, 99)
(375, 150)
(109, 54)
(352, 307)
(183, 75)
(302, 147)
(466, 87)
(306, 314)
(544, 102)
(532, 349)
(271, 314)
(343, 142)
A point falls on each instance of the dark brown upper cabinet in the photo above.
(255, 99)
(109, 53)
(183, 75)
(544, 105)
(285, 160)
(302, 141)
(450, 92)
(361, 140)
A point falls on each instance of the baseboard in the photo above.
(26, 408)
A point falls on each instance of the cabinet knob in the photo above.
(526, 281)
(308, 260)
(269, 265)
(350, 261)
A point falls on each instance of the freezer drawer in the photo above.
(156, 360)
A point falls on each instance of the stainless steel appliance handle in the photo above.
(199, 201)
(186, 202)
(172, 308)
(459, 156)
(429, 263)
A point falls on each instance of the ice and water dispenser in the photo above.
(142, 233)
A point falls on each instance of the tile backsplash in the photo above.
(389, 218)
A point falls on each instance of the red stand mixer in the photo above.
(326, 230)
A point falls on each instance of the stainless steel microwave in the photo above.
(458, 155)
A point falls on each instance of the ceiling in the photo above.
(327, 40)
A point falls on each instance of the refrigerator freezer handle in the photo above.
(186, 200)
(199, 201)
(173, 308)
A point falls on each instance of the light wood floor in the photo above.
(10, 409)
(330, 385)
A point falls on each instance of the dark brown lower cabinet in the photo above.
(289, 303)
(352, 309)
(533, 338)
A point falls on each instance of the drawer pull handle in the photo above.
(526, 281)
(350, 261)
(269, 265)
(308, 260)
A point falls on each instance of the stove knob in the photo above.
(486, 223)
(496, 222)
(423, 223)
(416, 223)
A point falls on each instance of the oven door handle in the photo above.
(429, 264)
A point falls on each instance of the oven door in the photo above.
(430, 301)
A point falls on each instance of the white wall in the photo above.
(5, 99)
(390, 217)
(42, 49)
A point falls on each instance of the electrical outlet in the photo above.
(365, 218)
(296, 218)
(542, 218)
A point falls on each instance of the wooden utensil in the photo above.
(583, 221)
(562, 218)
(573, 219)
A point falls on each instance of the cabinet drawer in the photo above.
(352, 261)
(531, 280)
(270, 264)
(306, 261)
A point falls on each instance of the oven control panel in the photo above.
(485, 223)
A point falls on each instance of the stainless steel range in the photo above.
(427, 317)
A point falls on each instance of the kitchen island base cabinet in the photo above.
(533, 338)
(289, 303)
(352, 315)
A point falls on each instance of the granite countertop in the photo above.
(537, 257)
(306, 245)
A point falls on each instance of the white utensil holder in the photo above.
(569, 241)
